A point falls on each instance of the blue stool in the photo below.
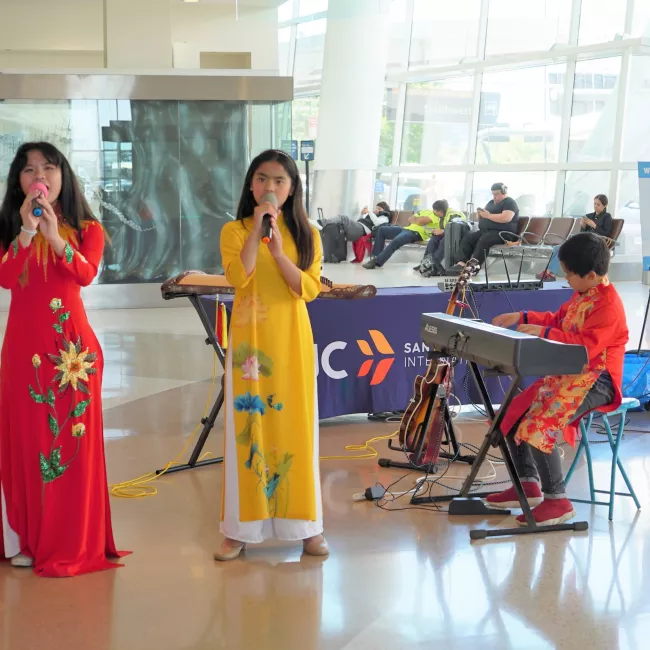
(614, 443)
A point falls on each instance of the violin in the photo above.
(431, 389)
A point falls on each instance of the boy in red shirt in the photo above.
(593, 317)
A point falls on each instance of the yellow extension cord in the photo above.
(140, 487)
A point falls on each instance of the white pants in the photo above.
(11, 539)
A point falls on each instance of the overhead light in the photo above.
(190, 0)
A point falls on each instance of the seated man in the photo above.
(593, 317)
(421, 227)
(431, 263)
(499, 215)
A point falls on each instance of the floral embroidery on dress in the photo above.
(73, 365)
(271, 470)
(247, 310)
(252, 362)
(559, 397)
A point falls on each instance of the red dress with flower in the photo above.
(55, 504)
(595, 319)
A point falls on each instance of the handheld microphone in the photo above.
(37, 209)
(267, 232)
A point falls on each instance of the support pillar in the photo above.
(352, 92)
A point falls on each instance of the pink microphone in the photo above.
(37, 210)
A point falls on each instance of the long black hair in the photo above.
(74, 208)
(293, 209)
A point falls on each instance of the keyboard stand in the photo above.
(208, 423)
(464, 504)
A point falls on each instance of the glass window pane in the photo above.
(285, 11)
(142, 167)
(534, 192)
(628, 208)
(636, 126)
(444, 32)
(418, 190)
(284, 42)
(593, 111)
(400, 35)
(641, 19)
(282, 125)
(381, 191)
(601, 20)
(387, 136)
(520, 115)
(580, 188)
(540, 24)
(308, 7)
(437, 122)
(310, 47)
(304, 118)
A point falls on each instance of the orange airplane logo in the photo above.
(384, 365)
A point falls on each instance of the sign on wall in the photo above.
(306, 150)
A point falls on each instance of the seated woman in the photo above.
(599, 222)
(364, 225)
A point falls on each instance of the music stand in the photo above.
(464, 504)
(207, 422)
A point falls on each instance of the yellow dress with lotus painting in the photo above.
(271, 482)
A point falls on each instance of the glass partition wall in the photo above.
(163, 176)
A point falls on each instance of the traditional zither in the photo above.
(204, 284)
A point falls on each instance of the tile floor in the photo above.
(395, 580)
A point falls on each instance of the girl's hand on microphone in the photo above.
(29, 220)
(50, 226)
(259, 212)
(275, 245)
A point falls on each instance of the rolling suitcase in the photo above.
(454, 233)
(335, 248)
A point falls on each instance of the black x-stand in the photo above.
(464, 504)
(208, 422)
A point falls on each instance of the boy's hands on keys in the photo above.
(535, 330)
(506, 320)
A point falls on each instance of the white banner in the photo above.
(644, 212)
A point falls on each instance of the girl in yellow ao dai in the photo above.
(271, 485)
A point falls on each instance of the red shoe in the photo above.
(551, 512)
(508, 499)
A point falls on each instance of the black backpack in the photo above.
(335, 248)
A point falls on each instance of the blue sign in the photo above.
(379, 187)
(644, 170)
(291, 147)
(306, 150)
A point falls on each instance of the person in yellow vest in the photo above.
(422, 226)
(431, 263)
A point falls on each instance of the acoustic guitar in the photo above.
(431, 388)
